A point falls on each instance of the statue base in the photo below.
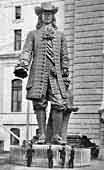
(101, 153)
(39, 159)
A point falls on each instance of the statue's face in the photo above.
(47, 17)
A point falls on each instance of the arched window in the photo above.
(13, 140)
(16, 103)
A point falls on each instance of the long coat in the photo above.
(34, 53)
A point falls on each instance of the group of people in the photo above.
(62, 153)
(50, 155)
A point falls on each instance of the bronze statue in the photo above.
(46, 49)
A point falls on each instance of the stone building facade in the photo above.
(84, 33)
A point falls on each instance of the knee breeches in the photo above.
(57, 101)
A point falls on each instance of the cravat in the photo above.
(50, 53)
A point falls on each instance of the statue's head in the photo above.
(46, 14)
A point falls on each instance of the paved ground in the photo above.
(95, 165)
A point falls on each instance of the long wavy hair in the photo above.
(40, 22)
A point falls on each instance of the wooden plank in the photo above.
(88, 85)
(69, 7)
(86, 132)
(87, 97)
(88, 2)
(89, 27)
(90, 33)
(69, 26)
(88, 103)
(89, 15)
(88, 78)
(85, 116)
(91, 8)
(87, 121)
(93, 71)
(93, 46)
(88, 53)
(84, 66)
(67, 2)
(92, 21)
(68, 32)
(88, 59)
(69, 38)
(93, 91)
(88, 109)
(94, 127)
(88, 40)
(70, 44)
(68, 20)
(69, 13)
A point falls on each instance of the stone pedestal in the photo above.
(101, 153)
(17, 155)
(4, 157)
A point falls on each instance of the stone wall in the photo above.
(84, 30)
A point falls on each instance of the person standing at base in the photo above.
(29, 155)
(71, 159)
(50, 157)
(62, 156)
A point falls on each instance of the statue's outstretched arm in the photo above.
(25, 57)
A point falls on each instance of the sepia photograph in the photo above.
(51, 84)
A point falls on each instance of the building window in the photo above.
(18, 12)
(13, 140)
(1, 145)
(16, 103)
(17, 40)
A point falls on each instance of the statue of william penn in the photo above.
(45, 51)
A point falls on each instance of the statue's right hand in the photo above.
(20, 72)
